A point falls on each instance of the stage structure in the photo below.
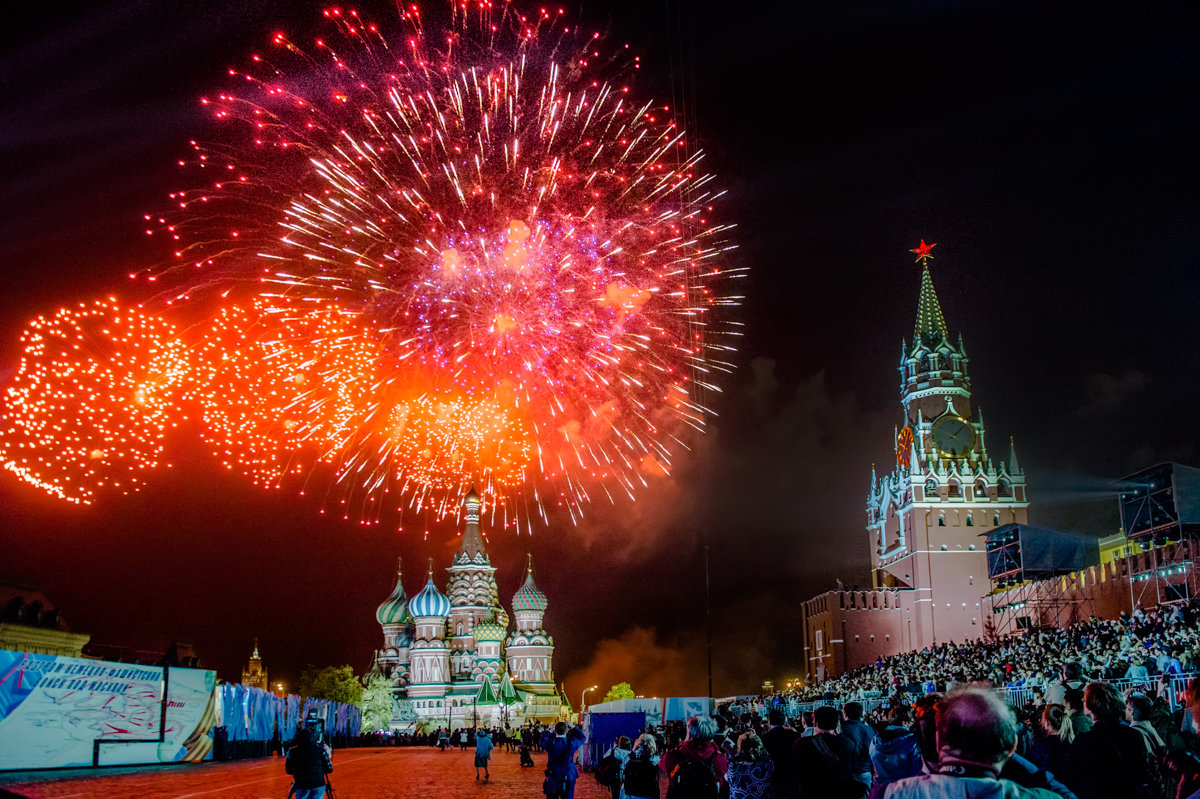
(1160, 513)
(1019, 556)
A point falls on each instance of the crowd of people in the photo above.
(1091, 711)
(1141, 646)
(964, 744)
(1093, 721)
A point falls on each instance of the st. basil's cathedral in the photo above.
(451, 657)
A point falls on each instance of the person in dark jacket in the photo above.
(976, 738)
(859, 737)
(779, 740)
(697, 747)
(895, 754)
(823, 762)
(1110, 759)
(1054, 742)
(560, 746)
(308, 763)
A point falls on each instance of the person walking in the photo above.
(483, 753)
(560, 745)
(308, 762)
(641, 769)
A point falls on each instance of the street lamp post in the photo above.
(582, 706)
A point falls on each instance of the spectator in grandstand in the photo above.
(1072, 677)
(823, 763)
(1073, 701)
(1109, 760)
(751, 771)
(976, 735)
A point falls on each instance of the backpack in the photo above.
(608, 771)
(641, 777)
(694, 779)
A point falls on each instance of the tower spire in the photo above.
(931, 325)
(1014, 468)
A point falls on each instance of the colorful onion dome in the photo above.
(394, 609)
(488, 630)
(529, 597)
(429, 602)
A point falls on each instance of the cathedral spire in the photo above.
(472, 538)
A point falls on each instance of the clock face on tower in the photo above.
(904, 443)
(953, 436)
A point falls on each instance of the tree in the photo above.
(377, 703)
(619, 691)
(335, 683)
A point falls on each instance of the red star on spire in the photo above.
(923, 250)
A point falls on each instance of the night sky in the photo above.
(1050, 149)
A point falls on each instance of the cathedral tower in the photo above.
(472, 591)
(394, 617)
(530, 649)
(430, 668)
(926, 519)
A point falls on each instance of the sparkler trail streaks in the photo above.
(457, 254)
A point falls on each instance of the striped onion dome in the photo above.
(529, 596)
(394, 609)
(488, 630)
(429, 602)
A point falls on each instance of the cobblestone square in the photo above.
(387, 773)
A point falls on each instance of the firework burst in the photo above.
(93, 397)
(459, 254)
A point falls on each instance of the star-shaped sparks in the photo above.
(923, 251)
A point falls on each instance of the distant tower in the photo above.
(394, 617)
(926, 517)
(530, 648)
(472, 592)
(429, 673)
(255, 675)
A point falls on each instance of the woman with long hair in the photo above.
(1057, 733)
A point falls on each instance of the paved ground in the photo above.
(392, 773)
